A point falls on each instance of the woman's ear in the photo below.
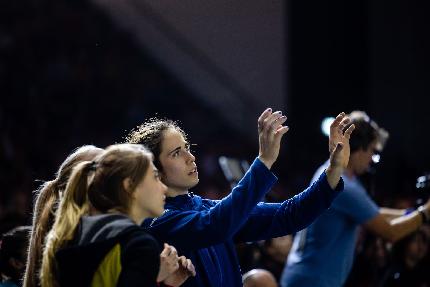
(126, 184)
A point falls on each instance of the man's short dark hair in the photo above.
(366, 131)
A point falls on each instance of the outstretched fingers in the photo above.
(281, 131)
(345, 121)
(348, 132)
(271, 121)
(335, 124)
(270, 132)
(277, 124)
(335, 132)
(271, 124)
(267, 112)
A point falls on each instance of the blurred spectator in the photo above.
(65, 69)
(259, 278)
(274, 253)
(269, 255)
(370, 262)
(328, 244)
(410, 265)
(13, 254)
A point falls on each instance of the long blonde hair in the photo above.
(46, 201)
(101, 183)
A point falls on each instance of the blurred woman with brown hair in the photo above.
(46, 203)
(109, 248)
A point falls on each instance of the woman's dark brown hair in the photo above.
(150, 134)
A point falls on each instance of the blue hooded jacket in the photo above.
(205, 231)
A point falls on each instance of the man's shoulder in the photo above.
(353, 187)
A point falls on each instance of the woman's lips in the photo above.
(194, 171)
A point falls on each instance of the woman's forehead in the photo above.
(172, 138)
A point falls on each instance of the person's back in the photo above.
(313, 259)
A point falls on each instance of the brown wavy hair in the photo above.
(150, 134)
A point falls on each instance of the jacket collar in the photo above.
(181, 201)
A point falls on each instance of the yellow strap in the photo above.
(107, 273)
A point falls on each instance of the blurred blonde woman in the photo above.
(45, 206)
(109, 248)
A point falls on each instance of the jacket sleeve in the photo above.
(270, 220)
(140, 261)
(191, 230)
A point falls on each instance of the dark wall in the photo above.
(368, 55)
(69, 77)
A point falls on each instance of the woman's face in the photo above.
(179, 164)
(150, 193)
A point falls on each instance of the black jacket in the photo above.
(109, 250)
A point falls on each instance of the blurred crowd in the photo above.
(69, 77)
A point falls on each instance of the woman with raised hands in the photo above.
(205, 230)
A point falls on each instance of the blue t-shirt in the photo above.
(322, 254)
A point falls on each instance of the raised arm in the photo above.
(273, 220)
(224, 218)
(270, 132)
(270, 220)
(339, 148)
(217, 221)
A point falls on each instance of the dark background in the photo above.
(69, 76)
(367, 55)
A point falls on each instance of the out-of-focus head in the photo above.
(415, 247)
(124, 177)
(278, 248)
(120, 179)
(46, 203)
(366, 140)
(83, 153)
(259, 278)
(13, 252)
